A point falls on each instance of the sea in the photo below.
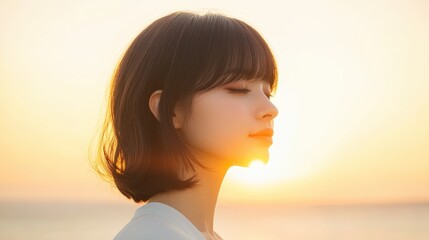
(77, 220)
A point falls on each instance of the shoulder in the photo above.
(156, 220)
(150, 227)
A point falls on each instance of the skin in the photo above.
(218, 135)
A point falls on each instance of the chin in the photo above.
(245, 162)
(262, 154)
(242, 158)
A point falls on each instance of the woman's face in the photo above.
(223, 119)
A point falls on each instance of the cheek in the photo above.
(219, 126)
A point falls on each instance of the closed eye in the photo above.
(245, 90)
(239, 90)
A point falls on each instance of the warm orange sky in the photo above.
(353, 97)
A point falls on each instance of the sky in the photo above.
(353, 123)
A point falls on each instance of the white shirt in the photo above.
(159, 221)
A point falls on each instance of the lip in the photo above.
(267, 132)
(265, 135)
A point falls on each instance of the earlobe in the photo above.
(154, 102)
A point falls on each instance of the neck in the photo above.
(197, 204)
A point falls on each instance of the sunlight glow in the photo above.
(352, 97)
(272, 173)
(256, 174)
(257, 164)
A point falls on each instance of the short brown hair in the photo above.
(181, 54)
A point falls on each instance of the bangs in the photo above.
(236, 51)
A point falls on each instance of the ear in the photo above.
(154, 102)
(154, 108)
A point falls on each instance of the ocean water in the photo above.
(67, 220)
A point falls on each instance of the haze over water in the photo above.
(92, 221)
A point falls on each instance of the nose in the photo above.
(268, 110)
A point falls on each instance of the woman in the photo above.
(189, 99)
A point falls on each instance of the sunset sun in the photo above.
(256, 165)
(254, 174)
